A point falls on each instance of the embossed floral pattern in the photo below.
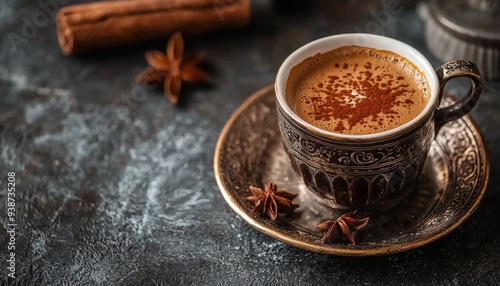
(356, 175)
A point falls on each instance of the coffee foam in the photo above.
(357, 90)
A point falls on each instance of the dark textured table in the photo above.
(114, 186)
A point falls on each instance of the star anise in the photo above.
(344, 225)
(172, 69)
(272, 201)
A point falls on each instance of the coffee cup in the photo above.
(367, 163)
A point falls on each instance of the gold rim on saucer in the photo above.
(249, 152)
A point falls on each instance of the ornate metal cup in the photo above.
(372, 171)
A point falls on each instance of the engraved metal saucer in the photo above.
(454, 179)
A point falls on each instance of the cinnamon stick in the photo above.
(98, 25)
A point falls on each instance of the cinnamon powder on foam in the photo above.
(357, 90)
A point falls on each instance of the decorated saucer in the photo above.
(250, 152)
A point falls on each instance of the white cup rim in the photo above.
(365, 40)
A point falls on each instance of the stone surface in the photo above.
(114, 186)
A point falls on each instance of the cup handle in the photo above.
(453, 69)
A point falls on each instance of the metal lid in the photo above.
(464, 29)
(476, 20)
